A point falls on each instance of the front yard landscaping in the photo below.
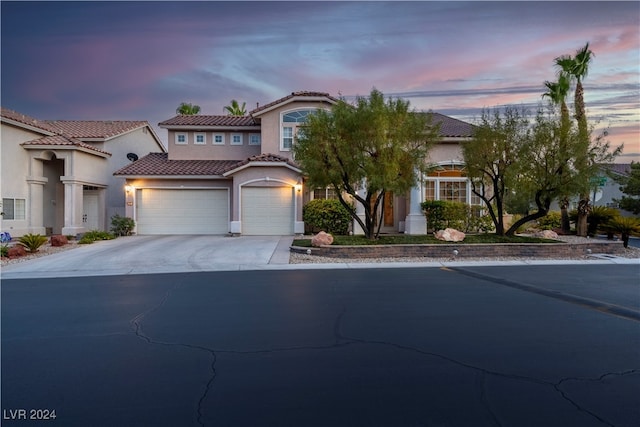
(402, 239)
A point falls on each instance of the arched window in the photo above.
(449, 182)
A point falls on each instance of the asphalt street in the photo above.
(555, 345)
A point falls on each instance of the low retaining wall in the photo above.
(471, 250)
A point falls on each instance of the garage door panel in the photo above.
(267, 211)
(184, 211)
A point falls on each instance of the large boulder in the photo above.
(321, 239)
(450, 235)
(547, 234)
(59, 240)
(16, 251)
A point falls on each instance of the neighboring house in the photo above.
(57, 175)
(606, 190)
(236, 174)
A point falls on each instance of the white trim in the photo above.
(204, 138)
(233, 135)
(297, 98)
(220, 134)
(268, 164)
(177, 138)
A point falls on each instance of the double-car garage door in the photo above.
(184, 211)
(264, 211)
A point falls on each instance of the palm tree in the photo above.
(577, 68)
(557, 93)
(187, 109)
(235, 109)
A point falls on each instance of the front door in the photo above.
(90, 211)
(388, 209)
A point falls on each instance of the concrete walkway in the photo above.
(176, 254)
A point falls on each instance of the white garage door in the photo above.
(162, 211)
(267, 211)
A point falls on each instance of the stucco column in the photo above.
(35, 209)
(72, 208)
(416, 221)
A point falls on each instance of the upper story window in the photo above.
(218, 139)
(236, 139)
(181, 138)
(200, 139)
(292, 122)
(254, 139)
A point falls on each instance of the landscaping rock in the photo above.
(59, 240)
(16, 251)
(321, 239)
(450, 235)
(547, 234)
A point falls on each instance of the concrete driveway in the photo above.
(157, 254)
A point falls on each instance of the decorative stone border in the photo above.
(471, 250)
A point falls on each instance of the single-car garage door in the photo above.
(185, 211)
(267, 211)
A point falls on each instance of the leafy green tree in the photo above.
(511, 153)
(365, 150)
(235, 109)
(187, 109)
(631, 187)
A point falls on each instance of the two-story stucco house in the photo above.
(236, 174)
(57, 175)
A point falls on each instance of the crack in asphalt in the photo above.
(136, 323)
(342, 340)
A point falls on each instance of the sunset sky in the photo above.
(139, 60)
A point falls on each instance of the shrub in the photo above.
(626, 226)
(551, 220)
(461, 216)
(4, 251)
(598, 216)
(122, 225)
(93, 235)
(326, 215)
(32, 242)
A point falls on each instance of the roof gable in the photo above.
(95, 129)
(295, 96)
(61, 141)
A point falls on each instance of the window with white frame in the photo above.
(287, 138)
(181, 138)
(292, 122)
(200, 139)
(448, 182)
(13, 209)
(236, 139)
(254, 139)
(218, 139)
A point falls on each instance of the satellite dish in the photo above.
(132, 156)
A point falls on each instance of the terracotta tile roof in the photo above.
(24, 119)
(268, 157)
(293, 95)
(98, 129)
(159, 164)
(61, 140)
(202, 120)
(453, 128)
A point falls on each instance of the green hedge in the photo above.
(443, 214)
(326, 215)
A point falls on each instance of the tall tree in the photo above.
(511, 152)
(235, 109)
(365, 151)
(557, 93)
(188, 109)
(577, 68)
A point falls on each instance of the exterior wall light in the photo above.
(128, 189)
